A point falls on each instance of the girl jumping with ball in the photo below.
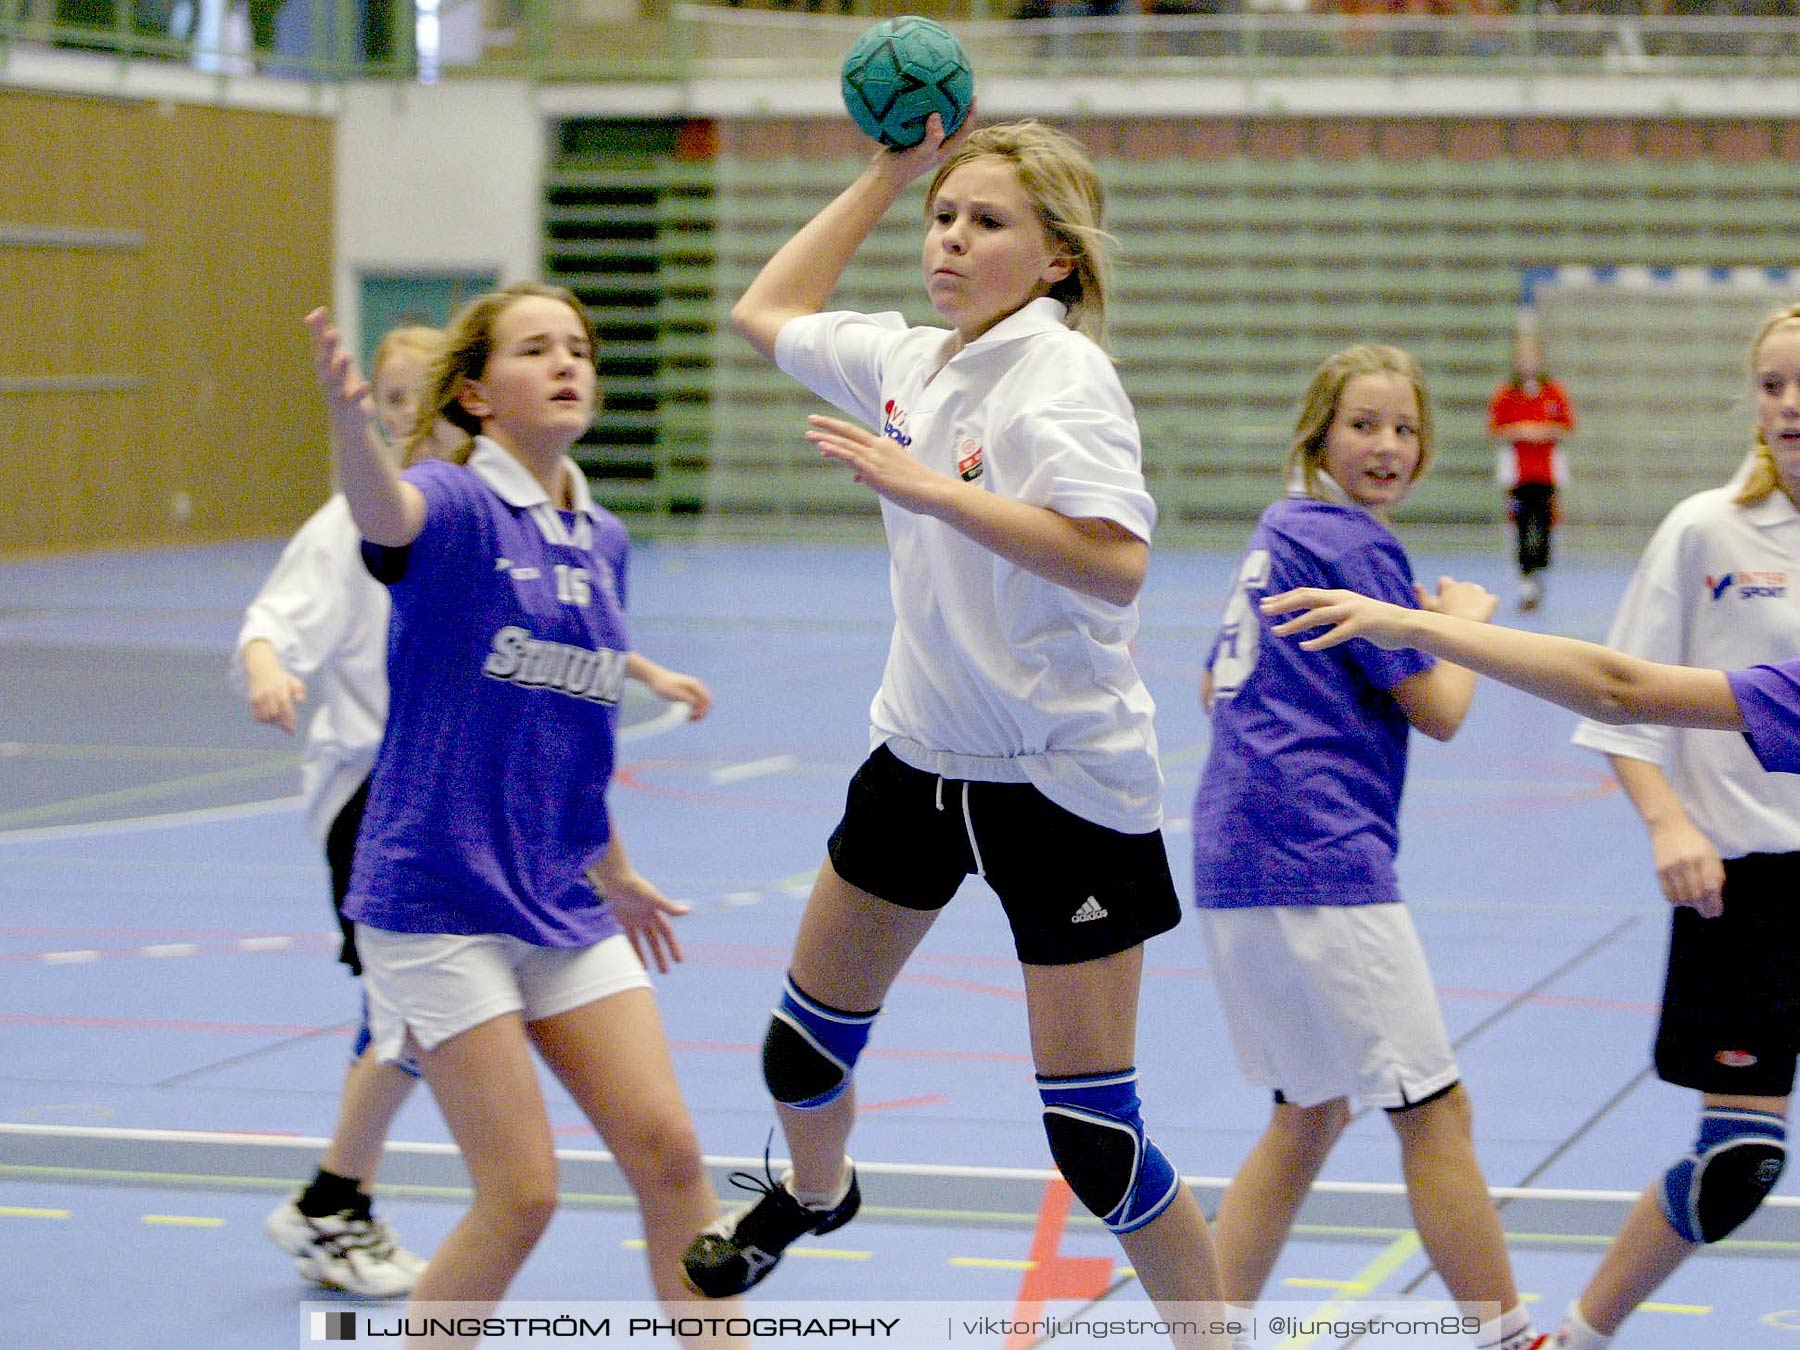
(1006, 459)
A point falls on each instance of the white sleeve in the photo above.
(1087, 463)
(304, 607)
(1651, 623)
(840, 356)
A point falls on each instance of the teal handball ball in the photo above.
(900, 72)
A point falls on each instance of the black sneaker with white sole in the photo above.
(738, 1252)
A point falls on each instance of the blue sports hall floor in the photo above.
(173, 1027)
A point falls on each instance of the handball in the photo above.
(900, 72)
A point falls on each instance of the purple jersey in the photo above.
(506, 657)
(1300, 799)
(1769, 699)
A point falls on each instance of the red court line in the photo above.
(902, 1103)
(628, 776)
(1051, 1275)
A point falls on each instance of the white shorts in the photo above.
(1327, 1001)
(436, 985)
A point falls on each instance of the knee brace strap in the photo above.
(811, 1049)
(1736, 1162)
(1097, 1138)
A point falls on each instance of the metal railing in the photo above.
(598, 41)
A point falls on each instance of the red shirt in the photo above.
(1533, 461)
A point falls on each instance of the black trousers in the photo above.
(1534, 506)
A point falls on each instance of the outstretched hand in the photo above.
(347, 393)
(879, 463)
(1342, 614)
(643, 912)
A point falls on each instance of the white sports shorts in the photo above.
(1327, 1001)
(436, 985)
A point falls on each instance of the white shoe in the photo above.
(358, 1256)
(1531, 593)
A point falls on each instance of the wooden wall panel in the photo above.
(215, 238)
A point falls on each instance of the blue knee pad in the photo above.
(811, 1049)
(1096, 1132)
(1736, 1162)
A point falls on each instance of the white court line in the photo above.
(1032, 1174)
(674, 715)
(755, 768)
(136, 824)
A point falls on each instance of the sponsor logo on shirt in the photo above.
(968, 459)
(517, 657)
(893, 423)
(1749, 585)
(1735, 1059)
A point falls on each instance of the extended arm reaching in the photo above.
(1592, 680)
(387, 510)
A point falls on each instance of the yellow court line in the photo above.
(1398, 1252)
(1301, 1282)
(26, 1212)
(1684, 1309)
(147, 792)
(992, 1263)
(182, 1221)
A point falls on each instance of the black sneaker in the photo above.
(738, 1252)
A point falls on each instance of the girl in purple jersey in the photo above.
(1325, 988)
(320, 616)
(496, 910)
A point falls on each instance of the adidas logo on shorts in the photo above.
(1090, 910)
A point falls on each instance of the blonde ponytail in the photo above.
(1760, 480)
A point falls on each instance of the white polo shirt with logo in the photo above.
(1718, 588)
(995, 674)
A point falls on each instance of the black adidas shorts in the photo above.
(1731, 999)
(1072, 890)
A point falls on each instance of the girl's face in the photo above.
(399, 384)
(1372, 446)
(1778, 402)
(986, 251)
(539, 387)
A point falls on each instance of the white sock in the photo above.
(1237, 1312)
(821, 1199)
(1512, 1330)
(1576, 1334)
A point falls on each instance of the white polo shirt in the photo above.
(993, 673)
(1718, 587)
(327, 618)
